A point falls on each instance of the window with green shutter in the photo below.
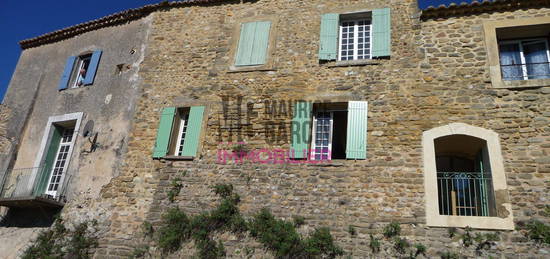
(301, 122)
(355, 36)
(253, 43)
(179, 132)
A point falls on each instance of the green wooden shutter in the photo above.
(66, 76)
(194, 126)
(164, 131)
(43, 175)
(301, 122)
(328, 46)
(381, 32)
(356, 142)
(92, 68)
(253, 43)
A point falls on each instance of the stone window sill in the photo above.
(235, 69)
(521, 83)
(350, 63)
(178, 158)
(471, 221)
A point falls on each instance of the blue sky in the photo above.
(20, 19)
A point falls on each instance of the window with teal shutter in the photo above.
(164, 131)
(253, 44)
(381, 32)
(301, 122)
(356, 147)
(328, 46)
(193, 132)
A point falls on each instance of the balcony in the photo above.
(32, 188)
(465, 193)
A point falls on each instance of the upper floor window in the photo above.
(355, 39)
(179, 132)
(355, 36)
(253, 44)
(80, 70)
(525, 59)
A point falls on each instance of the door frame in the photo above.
(46, 138)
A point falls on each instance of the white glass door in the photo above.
(60, 164)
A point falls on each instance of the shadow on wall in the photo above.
(29, 218)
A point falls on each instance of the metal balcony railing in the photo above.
(465, 193)
(525, 71)
(29, 183)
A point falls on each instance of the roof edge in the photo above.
(481, 6)
(109, 20)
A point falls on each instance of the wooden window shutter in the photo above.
(301, 122)
(328, 46)
(43, 176)
(356, 142)
(92, 68)
(164, 131)
(194, 126)
(381, 33)
(66, 76)
(253, 43)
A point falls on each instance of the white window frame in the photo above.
(184, 121)
(314, 134)
(522, 56)
(69, 144)
(81, 61)
(355, 37)
(46, 138)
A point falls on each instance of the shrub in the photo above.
(538, 231)
(374, 244)
(174, 231)
(401, 245)
(321, 243)
(392, 230)
(277, 235)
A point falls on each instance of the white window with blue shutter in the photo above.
(355, 36)
(80, 71)
(253, 44)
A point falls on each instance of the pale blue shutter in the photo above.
(253, 43)
(356, 142)
(328, 46)
(301, 122)
(92, 68)
(66, 76)
(381, 32)
(192, 136)
(164, 131)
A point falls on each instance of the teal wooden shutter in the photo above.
(43, 175)
(328, 46)
(66, 76)
(92, 68)
(301, 122)
(381, 32)
(164, 131)
(192, 136)
(253, 43)
(356, 142)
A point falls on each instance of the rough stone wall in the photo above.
(436, 75)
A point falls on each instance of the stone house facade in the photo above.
(68, 109)
(352, 114)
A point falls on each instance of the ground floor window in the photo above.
(329, 131)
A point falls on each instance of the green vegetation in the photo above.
(374, 244)
(60, 242)
(538, 231)
(392, 230)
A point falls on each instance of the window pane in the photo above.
(510, 62)
(537, 60)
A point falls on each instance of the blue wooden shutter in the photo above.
(253, 43)
(328, 46)
(92, 68)
(301, 122)
(66, 76)
(164, 131)
(192, 136)
(356, 142)
(381, 32)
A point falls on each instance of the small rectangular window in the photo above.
(181, 122)
(355, 39)
(179, 132)
(80, 70)
(524, 59)
(329, 131)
